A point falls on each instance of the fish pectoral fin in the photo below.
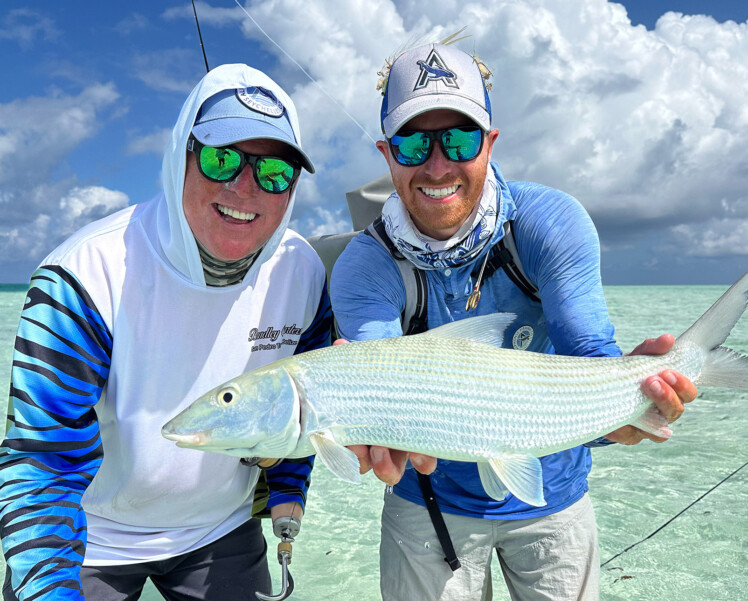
(522, 475)
(339, 460)
(492, 484)
(488, 329)
(654, 422)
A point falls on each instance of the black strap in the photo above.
(417, 322)
(414, 316)
(501, 257)
(438, 521)
(378, 225)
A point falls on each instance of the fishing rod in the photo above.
(200, 35)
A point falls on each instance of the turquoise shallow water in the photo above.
(701, 555)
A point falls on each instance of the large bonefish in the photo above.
(453, 393)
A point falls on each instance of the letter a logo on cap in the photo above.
(434, 69)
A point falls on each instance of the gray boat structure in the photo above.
(365, 205)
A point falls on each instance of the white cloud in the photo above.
(81, 200)
(647, 128)
(174, 70)
(44, 230)
(322, 222)
(155, 142)
(37, 213)
(133, 22)
(62, 121)
(208, 15)
(715, 238)
(25, 25)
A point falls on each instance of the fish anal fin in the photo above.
(522, 475)
(338, 459)
(654, 422)
(491, 482)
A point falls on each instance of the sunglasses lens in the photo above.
(411, 149)
(274, 175)
(220, 164)
(462, 143)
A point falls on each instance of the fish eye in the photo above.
(227, 395)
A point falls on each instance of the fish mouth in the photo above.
(198, 439)
(203, 442)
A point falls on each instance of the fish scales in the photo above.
(524, 402)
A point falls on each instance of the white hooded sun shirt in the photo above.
(130, 335)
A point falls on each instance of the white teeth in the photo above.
(439, 192)
(236, 214)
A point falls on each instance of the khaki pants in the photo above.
(553, 558)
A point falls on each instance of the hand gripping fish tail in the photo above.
(454, 393)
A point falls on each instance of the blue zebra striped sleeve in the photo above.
(289, 480)
(52, 448)
(317, 335)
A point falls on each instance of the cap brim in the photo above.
(429, 102)
(232, 130)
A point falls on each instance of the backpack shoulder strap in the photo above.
(416, 286)
(505, 255)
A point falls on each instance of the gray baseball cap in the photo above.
(233, 116)
(431, 77)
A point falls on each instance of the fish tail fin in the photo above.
(725, 367)
(722, 366)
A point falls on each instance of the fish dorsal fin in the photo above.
(338, 459)
(521, 474)
(488, 329)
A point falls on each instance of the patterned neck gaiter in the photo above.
(467, 243)
(224, 273)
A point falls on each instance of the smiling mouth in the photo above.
(439, 193)
(234, 216)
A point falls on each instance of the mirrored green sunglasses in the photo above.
(413, 148)
(224, 164)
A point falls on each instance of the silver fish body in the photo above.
(453, 393)
(463, 400)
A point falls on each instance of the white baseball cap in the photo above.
(431, 77)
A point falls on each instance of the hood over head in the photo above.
(175, 236)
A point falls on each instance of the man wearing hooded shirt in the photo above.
(129, 321)
(447, 213)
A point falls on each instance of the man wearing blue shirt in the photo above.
(448, 213)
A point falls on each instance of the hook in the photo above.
(284, 558)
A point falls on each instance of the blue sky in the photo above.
(640, 116)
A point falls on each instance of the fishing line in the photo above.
(675, 516)
(361, 127)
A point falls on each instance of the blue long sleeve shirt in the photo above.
(559, 251)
